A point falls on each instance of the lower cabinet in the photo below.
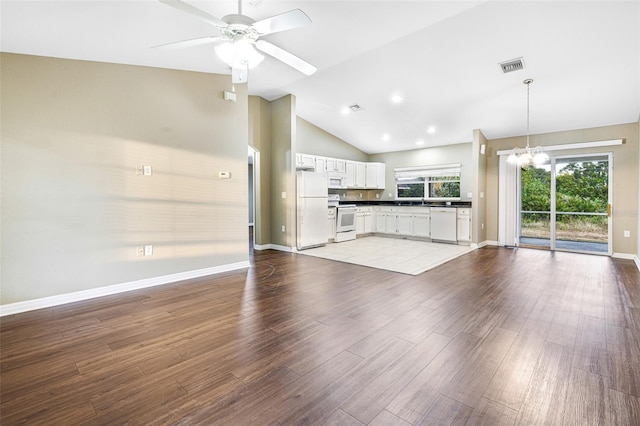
(331, 229)
(409, 221)
(422, 225)
(364, 220)
(464, 225)
(404, 224)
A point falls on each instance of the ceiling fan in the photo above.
(240, 37)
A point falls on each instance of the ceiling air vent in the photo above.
(355, 107)
(512, 65)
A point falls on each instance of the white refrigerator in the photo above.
(312, 209)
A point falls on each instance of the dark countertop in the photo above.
(410, 203)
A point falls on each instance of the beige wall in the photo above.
(283, 136)
(73, 207)
(260, 140)
(449, 154)
(625, 176)
(479, 229)
(638, 210)
(315, 141)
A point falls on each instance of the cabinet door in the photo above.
(360, 175)
(405, 223)
(305, 161)
(380, 218)
(421, 225)
(368, 223)
(371, 175)
(350, 181)
(331, 228)
(321, 164)
(360, 224)
(464, 228)
(374, 175)
(391, 223)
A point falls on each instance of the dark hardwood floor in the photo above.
(498, 336)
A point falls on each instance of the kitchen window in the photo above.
(428, 183)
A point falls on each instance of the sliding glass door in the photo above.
(565, 205)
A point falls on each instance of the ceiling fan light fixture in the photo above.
(239, 54)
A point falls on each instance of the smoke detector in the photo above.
(516, 64)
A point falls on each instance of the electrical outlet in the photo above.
(283, 228)
(148, 250)
(627, 234)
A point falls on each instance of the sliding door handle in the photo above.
(609, 210)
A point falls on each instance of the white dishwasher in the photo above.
(444, 224)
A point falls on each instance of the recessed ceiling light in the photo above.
(420, 142)
(345, 110)
(396, 98)
(386, 137)
(431, 130)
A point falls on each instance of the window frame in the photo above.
(427, 176)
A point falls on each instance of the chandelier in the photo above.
(524, 157)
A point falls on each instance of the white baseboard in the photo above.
(636, 259)
(487, 243)
(273, 247)
(626, 256)
(61, 299)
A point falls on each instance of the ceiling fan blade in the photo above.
(192, 10)
(286, 57)
(285, 21)
(189, 43)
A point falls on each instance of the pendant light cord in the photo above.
(528, 82)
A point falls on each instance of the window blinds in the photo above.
(451, 170)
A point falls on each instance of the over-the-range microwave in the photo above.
(337, 182)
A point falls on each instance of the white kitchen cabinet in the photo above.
(331, 223)
(464, 224)
(374, 175)
(350, 179)
(320, 164)
(305, 161)
(337, 166)
(360, 174)
(404, 224)
(391, 223)
(380, 219)
(364, 220)
(421, 224)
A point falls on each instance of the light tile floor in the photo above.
(393, 254)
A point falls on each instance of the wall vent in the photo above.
(512, 65)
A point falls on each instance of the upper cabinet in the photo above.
(352, 174)
(321, 164)
(305, 162)
(374, 175)
(337, 166)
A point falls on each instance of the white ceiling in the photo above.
(440, 56)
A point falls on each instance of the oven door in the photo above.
(346, 219)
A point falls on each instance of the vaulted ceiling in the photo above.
(440, 57)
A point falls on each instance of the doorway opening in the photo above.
(565, 204)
